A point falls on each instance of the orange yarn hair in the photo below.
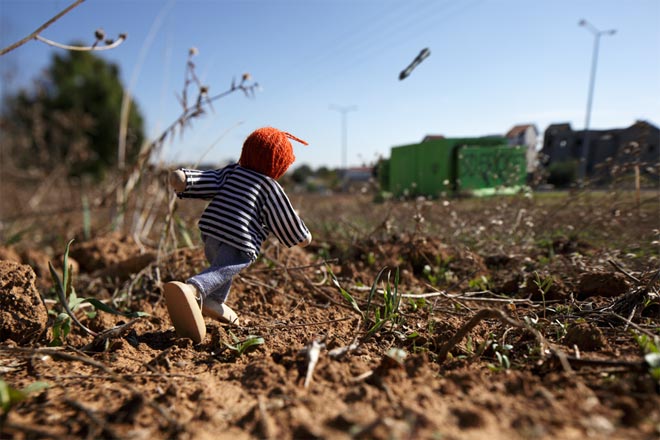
(268, 151)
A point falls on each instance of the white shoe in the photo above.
(220, 312)
(181, 301)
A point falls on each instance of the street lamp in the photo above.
(594, 61)
(343, 111)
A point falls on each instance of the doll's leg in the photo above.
(233, 261)
(215, 281)
(182, 298)
(211, 246)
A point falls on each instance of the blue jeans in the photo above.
(226, 261)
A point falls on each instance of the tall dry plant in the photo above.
(195, 101)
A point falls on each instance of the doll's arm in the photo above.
(282, 220)
(195, 184)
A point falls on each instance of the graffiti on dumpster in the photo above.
(480, 168)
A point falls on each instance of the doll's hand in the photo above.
(307, 241)
(178, 180)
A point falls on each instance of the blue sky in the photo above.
(493, 64)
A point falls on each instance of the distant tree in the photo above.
(382, 173)
(301, 173)
(71, 116)
(324, 172)
(329, 178)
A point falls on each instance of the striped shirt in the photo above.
(245, 207)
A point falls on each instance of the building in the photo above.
(562, 144)
(526, 135)
(357, 179)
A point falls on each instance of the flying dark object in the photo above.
(418, 59)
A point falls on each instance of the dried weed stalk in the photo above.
(312, 352)
(99, 34)
(195, 101)
(546, 347)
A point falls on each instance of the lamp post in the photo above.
(344, 136)
(594, 62)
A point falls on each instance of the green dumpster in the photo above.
(441, 167)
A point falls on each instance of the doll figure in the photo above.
(246, 205)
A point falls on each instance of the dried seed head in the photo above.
(99, 34)
(203, 90)
(246, 76)
(193, 51)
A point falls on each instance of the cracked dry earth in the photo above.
(479, 347)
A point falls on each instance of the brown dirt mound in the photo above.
(104, 252)
(23, 316)
(607, 284)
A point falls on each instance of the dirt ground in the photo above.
(510, 318)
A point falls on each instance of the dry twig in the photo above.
(618, 267)
(101, 339)
(312, 352)
(123, 187)
(36, 35)
(268, 427)
(498, 314)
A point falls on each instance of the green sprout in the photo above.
(651, 349)
(502, 356)
(241, 347)
(430, 274)
(345, 294)
(389, 312)
(10, 396)
(544, 286)
(479, 283)
(70, 302)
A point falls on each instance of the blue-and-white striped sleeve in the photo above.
(201, 184)
(282, 219)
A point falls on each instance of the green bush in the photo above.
(563, 174)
